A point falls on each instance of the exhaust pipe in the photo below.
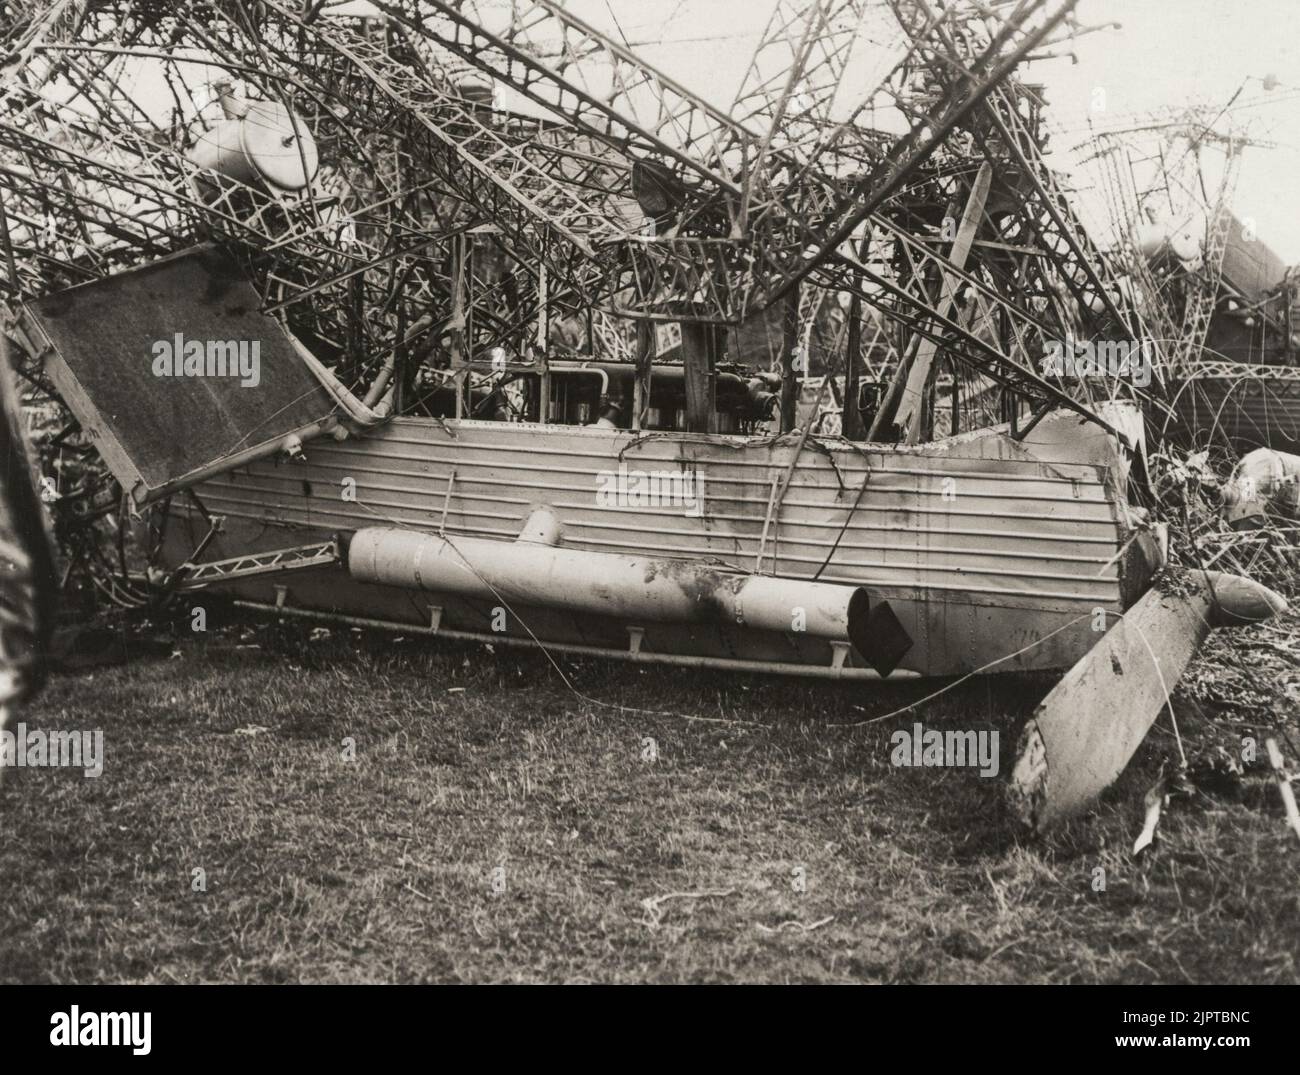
(533, 571)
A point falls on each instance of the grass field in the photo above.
(498, 824)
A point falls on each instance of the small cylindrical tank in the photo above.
(1155, 239)
(267, 143)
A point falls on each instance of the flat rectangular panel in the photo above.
(242, 391)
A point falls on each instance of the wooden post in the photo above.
(543, 343)
(645, 353)
(852, 426)
(700, 346)
(1006, 397)
(789, 373)
(460, 376)
(912, 409)
(400, 357)
(955, 371)
(883, 424)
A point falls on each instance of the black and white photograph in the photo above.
(649, 492)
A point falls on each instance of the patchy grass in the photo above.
(228, 758)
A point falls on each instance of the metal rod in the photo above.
(640, 656)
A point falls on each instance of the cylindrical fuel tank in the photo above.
(268, 143)
(632, 588)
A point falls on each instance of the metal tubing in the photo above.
(631, 588)
(640, 656)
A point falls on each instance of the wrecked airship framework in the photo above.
(455, 317)
(1228, 306)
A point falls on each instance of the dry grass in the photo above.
(319, 869)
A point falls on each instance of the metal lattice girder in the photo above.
(790, 254)
(681, 277)
(520, 170)
(637, 109)
(529, 177)
(678, 279)
(501, 175)
(504, 57)
(1118, 182)
(797, 69)
(299, 558)
(551, 200)
(1229, 370)
(975, 350)
(1203, 288)
(155, 179)
(1004, 132)
(89, 186)
(89, 192)
(549, 56)
(1056, 226)
(796, 80)
(786, 253)
(725, 172)
(25, 38)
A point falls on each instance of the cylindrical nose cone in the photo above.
(279, 145)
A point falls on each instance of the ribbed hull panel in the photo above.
(980, 546)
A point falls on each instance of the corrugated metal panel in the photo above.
(942, 519)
